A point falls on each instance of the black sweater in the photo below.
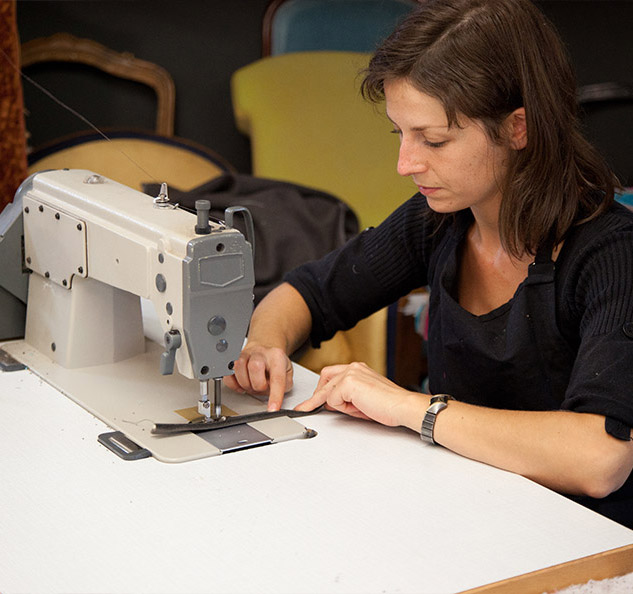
(593, 288)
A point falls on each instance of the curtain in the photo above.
(13, 164)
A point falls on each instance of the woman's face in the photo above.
(455, 168)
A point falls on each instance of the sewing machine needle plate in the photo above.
(238, 437)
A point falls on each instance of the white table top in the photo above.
(359, 508)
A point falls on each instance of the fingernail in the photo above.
(273, 408)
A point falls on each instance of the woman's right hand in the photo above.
(262, 370)
(280, 324)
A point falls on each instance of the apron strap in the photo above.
(542, 269)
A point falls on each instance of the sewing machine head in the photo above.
(95, 246)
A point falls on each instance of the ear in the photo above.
(517, 129)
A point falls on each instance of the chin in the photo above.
(442, 206)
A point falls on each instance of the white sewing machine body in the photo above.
(96, 246)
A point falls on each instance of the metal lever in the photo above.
(248, 220)
(173, 340)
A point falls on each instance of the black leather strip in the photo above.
(167, 428)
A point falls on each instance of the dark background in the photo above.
(202, 42)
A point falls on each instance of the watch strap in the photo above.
(438, 403)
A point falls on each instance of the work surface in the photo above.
(358, 508)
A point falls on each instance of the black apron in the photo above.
(513, 357)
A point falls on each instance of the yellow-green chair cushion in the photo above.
(308, 124)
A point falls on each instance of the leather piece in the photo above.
(167, 428)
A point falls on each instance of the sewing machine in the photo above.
(94, 248)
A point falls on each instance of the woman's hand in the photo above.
(280, 325)
(262, 370)
(359, 391)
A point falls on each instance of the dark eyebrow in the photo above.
(420, 128)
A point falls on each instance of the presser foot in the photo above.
(204, 408)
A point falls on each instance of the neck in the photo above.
(485, 231)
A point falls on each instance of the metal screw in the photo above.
(41, 208)
(79, 227)
(47, 274)
(57, 216)
(26, 210)
(65, 282)
(80, 270)
(161, 283)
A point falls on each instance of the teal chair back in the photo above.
(336, 25)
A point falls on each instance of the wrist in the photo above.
(269, 342)
(412, 410)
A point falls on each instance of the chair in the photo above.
(353, 26)
(131, 157)
(342, 25)
(63, 47)
(134, 158)
(308, 124)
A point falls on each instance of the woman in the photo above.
(516, 232)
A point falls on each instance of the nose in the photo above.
(411, 159)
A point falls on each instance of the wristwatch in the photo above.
(438, 403)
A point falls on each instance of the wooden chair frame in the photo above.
(63, 47)
(267, 26)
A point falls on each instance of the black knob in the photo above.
(202, 209)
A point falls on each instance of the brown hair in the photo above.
(484, 59)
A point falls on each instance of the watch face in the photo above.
(436, 407)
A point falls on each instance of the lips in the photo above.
(426, 190)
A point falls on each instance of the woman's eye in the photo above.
(426, 142)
